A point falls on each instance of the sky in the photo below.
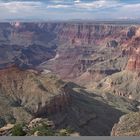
(69, 9)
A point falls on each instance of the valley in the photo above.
(81, 76)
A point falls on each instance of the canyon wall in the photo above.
(37, 94)
(84, 53)
(101, 57)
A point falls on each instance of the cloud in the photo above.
(131, 6)
(16, 6)
(58, 6)
(78, 4)
(77, 1)
(97, 4)
(69, 9)
(129, 11)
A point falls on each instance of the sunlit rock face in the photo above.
(35, 93)
(134, 60)
(129, 125)
(80, 52)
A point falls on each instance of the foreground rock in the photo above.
(129, 125)
(26, 94)
(6, 130)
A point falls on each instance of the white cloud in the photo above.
(58, 6)
(16, 6)
(78, 4)
(77, 1)
(132, 6)
(97, 4)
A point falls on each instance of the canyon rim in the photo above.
(69, 68)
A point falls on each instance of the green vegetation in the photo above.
(18, 130)
(43, 130)
(69, 130)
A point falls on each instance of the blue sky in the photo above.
(69, 9)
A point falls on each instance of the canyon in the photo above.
(29, 94)
(76, 74)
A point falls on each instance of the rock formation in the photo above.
(129, 125)
(29, 94)
(83, 41)
(125, 84)
(134, 61)
(32, 93)
(105, 58)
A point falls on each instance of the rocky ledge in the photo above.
(129, 125)
(27, 94)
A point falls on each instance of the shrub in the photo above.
(18, 130)
(69, 130)
(43, 130)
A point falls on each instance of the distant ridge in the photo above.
(96, 21)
